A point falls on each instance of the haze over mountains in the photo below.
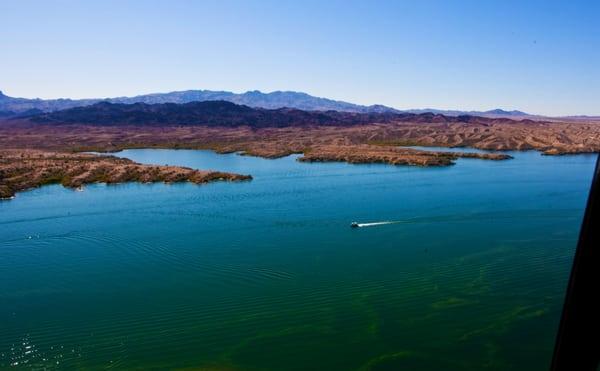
(10, 106)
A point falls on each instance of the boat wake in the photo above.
(487, 217)
(363, 225)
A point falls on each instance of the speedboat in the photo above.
(354, 225)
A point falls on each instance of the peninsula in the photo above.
(25, 169)
(46, 147)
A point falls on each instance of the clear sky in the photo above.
(537, 56)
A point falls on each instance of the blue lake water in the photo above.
(268, 275)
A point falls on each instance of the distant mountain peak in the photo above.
(500, 111)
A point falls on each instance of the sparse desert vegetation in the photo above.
(24, 169)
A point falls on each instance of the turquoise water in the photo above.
(267, 274)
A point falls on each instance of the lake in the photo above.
(268, 274)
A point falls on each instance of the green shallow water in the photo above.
(267, 274)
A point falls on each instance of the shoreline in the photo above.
(21, 170)
(42, 154)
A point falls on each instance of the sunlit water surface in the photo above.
(268, 274)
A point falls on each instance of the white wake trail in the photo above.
(361, 225)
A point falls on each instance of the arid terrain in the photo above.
(25, 169)
(36, 152)
(368, 154)
(551, 138)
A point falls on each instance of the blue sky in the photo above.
(537, 56)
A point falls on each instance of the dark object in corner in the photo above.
(578, 341)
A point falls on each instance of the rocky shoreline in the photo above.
(368, 154)
(36, 154)
(25, 169)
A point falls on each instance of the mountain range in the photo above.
(11, 107)
(224, 113)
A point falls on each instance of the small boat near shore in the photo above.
(354, 225)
